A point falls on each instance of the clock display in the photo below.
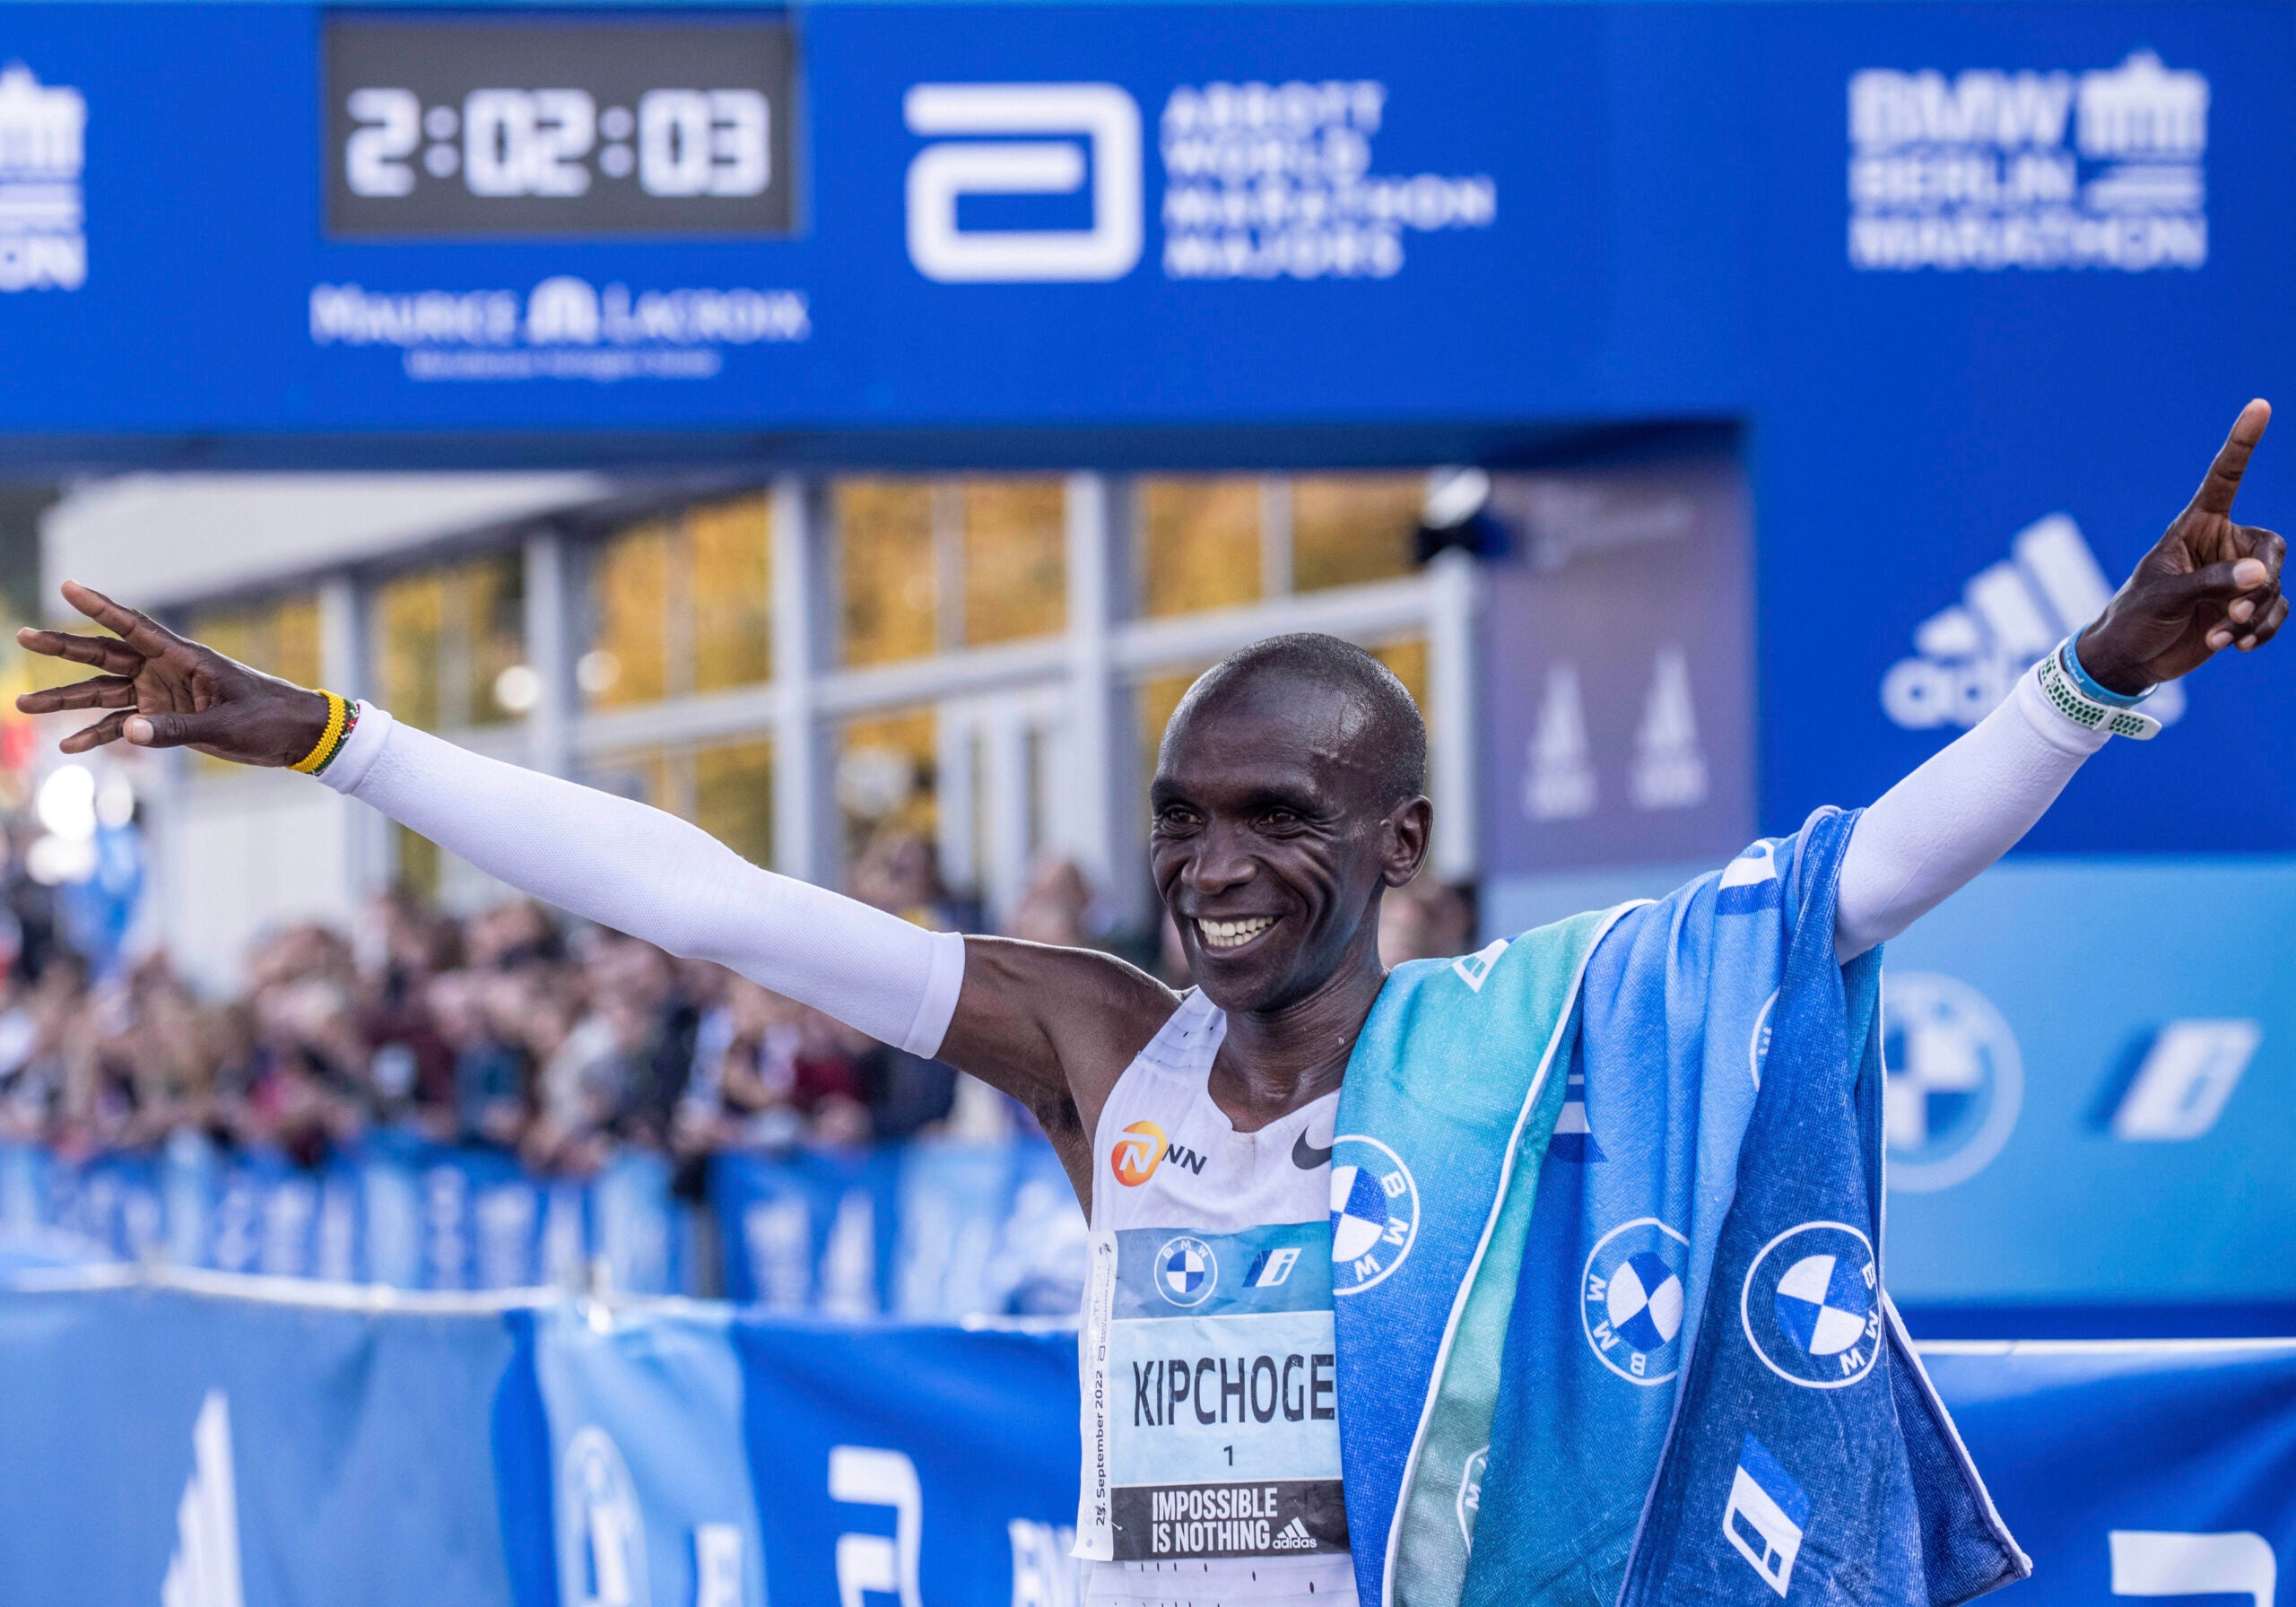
(568, 126)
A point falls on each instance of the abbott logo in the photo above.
(1108, 121)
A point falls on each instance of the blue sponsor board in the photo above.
(2090, 1081)
(2089, 1090)
(1941, 445)
(247, 1452)
(1417, 182)
(197, 1448)
(1978, 288)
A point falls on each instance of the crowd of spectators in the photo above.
(514, 1030)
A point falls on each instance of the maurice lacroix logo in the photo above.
(1991, 169)
(1261, 181)
(43, 131)
(563, 328)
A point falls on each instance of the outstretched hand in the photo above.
(167, 691)
(2209, 584)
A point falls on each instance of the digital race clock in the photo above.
(603, 126)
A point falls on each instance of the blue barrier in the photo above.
(402, 1214)
(931, 1232)
(923, 1231)
(297, 1444)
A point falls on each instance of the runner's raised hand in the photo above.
(167, 691)
(2209, 584)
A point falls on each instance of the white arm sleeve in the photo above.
(650, 875)
(1935, 831)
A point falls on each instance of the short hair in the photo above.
(1393, 741)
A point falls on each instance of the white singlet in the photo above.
(1211, 1423)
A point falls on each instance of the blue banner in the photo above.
(257, 1452)
(2057, 1164)
(924, 1232)
(406, 1214)
(252, 1451)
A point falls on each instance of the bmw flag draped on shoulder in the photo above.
(1676, 1379)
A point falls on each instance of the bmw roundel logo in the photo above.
(1374, 1212)
(1470, 1497)
(1631, 1300)
(1812, 1306)
(1187, 1271)
(1954, 1081)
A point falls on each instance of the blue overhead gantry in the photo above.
(1964, 295)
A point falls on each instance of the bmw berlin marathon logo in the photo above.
(1374, 1212)
(1954, 1081)
(1812, 1306)
(1187, 1271)
(1631, 1300)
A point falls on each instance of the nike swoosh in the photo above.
(1307, 1157)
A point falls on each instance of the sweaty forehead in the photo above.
(1272, 730)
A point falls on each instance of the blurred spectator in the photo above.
(900, 873)
(517, 933)
(1052, 908)
(499, 1030)
(1171, 967)
(491, 1070)
(769, 1072)
(1424, 920)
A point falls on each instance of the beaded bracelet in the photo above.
(337, 713)
(350, 725)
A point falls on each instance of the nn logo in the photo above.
(1142, 1148)
(1181, 1155)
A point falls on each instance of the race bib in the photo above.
(1211, 1416)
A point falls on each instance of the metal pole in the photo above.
(1452, 716)
(1104, 831)
(553, 635)
(805, 835)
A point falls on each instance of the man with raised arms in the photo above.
(1287, 799)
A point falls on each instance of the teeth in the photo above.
(1231, 934)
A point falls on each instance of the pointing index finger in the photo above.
(2223, 483)
(138, 630)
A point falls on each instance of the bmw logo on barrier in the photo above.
(1374, 1212)
(1631, 1300)
(1187, 1271)
(1955, 1081)
(1812, 1306)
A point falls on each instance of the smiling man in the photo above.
(1202, 1130)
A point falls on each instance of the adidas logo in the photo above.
(1968, 656)
(205, 1571)
(1295, 1538)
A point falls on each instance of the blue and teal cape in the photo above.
(1606, 1241)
